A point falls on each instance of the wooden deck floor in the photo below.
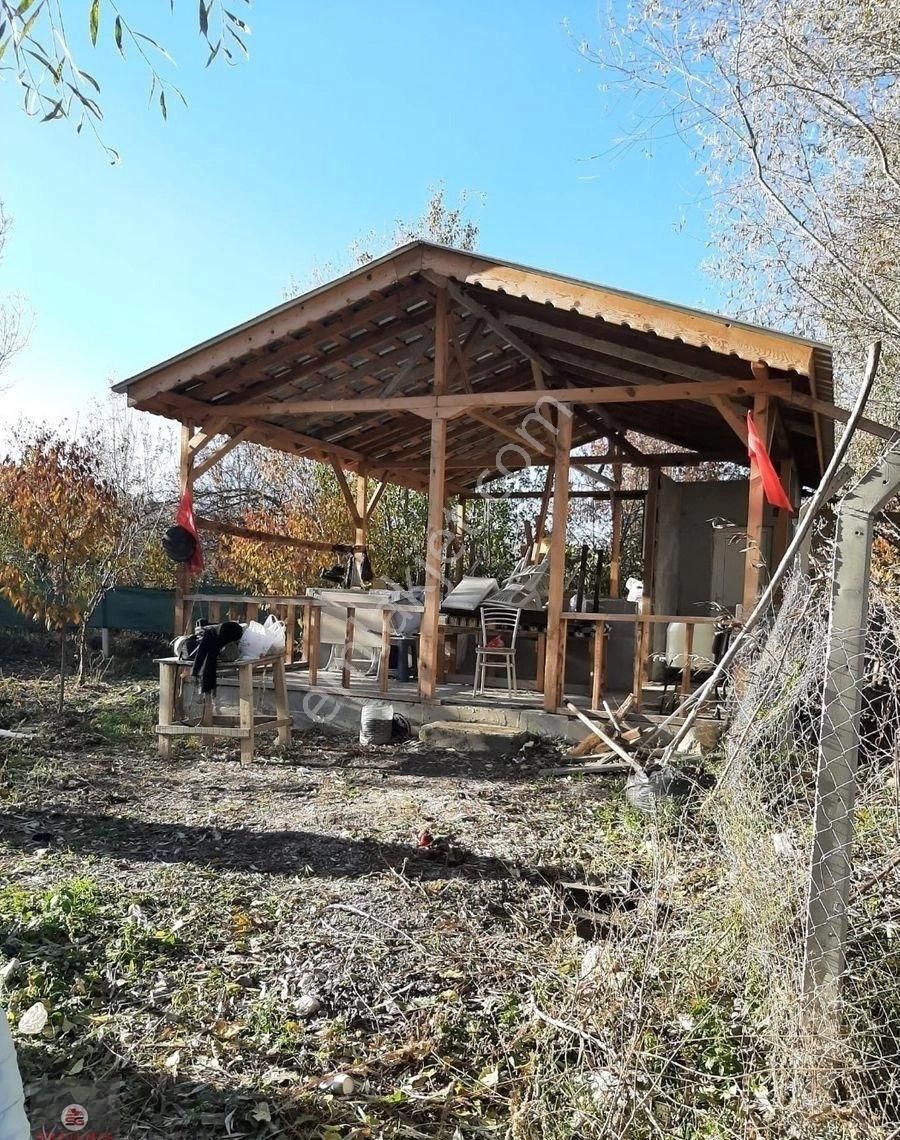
(364, 688)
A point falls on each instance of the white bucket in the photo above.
(376, 722)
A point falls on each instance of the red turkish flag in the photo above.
(774, 492)
(184, 516)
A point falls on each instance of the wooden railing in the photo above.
(384, 653)
(301, 616)
(642, 623)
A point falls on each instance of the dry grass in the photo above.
(173, 915)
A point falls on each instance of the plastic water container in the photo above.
(702, 646)
(376, 723)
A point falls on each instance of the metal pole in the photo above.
(831, 867)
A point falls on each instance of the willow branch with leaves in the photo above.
(35, 45)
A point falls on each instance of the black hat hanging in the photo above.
(179, 544)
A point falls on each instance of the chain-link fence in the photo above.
(754, 989)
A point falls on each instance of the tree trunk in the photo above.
(82, 650)
(62, 669)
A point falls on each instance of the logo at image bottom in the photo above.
(63, 1110)
(74, 1118)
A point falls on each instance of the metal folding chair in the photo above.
(499, 624)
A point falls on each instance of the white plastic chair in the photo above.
(503, 622)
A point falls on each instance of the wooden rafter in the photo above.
(216, 526)
(307, 369)
(281, 322)
(840, 415)
(372, 505)
(490, 319)
(732, 415)
(307, 344)
(430, 406)
(666, 365)
(347, 494)
(219, 454)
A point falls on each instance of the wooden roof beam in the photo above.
(604, 424)
(347, 494)
(253, 372)
(306, 443)
(219, 454)
(500, 327)
(429, 407)
(659, 363)
(420, 373)
(732, 415)
(311, 341)
(840, 415)
(254, 335)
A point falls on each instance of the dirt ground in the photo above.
(176, 919)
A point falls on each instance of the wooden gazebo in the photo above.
(440, 370)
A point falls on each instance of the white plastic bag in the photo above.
(635, 588)
(255, 640)
(277, 634)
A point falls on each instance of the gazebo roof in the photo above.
(344, 372)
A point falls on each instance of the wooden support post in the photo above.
(598, 570)
(756, 506)
(563, 643)
(279, 684)
(434, 543)
(461, 537)
(597, 670)
(557, 554)
(384, 662)
(361, 529)
(582, 574)
(781, 534)
(290, 632)
(541, 654)
(347, 660)
(429, 640)
(688, 651)
(311, 644)
(542, 511)
(615, 546)
(167, 673)
(245, 712)
(182, 574)
(645, 606)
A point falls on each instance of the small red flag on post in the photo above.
(185, 517)
(774, 491)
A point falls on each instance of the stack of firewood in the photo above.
(611, 747)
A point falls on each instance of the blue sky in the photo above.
(345, 114)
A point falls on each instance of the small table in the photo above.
(242, 727)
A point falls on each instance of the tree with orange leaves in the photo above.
(61, 535)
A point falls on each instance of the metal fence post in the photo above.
(831, 868)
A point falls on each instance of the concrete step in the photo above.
(472, 736)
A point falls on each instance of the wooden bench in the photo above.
(242, 727)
